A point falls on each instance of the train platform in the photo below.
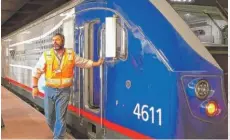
(21, 120)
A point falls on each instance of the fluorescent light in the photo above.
(26, 32)
(188, 14)
(62, 14)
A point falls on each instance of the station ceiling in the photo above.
(17, 13)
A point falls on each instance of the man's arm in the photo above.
(85, 63)
(38, 70)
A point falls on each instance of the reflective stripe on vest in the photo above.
(63, 81)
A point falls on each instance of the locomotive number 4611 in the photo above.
(145, 113)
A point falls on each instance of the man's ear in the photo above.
(63, 42)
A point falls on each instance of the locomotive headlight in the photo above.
(211, 108)
(202, 89)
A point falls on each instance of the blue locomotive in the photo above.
(158, 80)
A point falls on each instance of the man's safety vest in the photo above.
(59, 74)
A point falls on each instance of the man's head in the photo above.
(58, 41)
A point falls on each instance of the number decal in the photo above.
(145, 113)
(152, 110)
(136, 111)
(159, 111)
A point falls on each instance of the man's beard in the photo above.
(57, 47)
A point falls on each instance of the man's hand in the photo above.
(99, 62)
(35, 92)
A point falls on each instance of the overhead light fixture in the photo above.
(26, 32)
(29, 42)
(187, 15)
(62, 14)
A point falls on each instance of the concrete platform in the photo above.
(21, 120)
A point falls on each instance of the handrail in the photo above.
(89, 53)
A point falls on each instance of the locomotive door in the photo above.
(94, 42)
(91, 51)
(88, 26)
(88, 80)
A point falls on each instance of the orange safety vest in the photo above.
(59, 75)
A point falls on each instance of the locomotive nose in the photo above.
(206, 115)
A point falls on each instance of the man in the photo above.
(58, 64)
